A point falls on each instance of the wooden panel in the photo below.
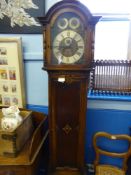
(14, 171)
(67, 104)
(67, 122)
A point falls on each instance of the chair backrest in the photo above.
(101, 151)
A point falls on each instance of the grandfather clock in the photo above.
(68, 32)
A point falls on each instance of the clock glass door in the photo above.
(68, 41)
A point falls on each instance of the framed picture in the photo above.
(12, 89)
(5, 26)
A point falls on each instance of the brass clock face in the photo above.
(68, 42)
(68, 46)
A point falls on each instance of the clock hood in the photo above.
(68, 4)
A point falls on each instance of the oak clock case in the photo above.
(68, 33)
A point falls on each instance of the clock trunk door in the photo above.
(67, 125)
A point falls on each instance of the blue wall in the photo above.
(108, 120)
(114, 121)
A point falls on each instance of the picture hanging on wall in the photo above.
(20, 17)
(12, 91)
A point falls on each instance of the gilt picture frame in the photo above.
(12, 86)
(5, 23)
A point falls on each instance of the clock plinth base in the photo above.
(67, 171)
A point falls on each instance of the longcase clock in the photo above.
(68, 33)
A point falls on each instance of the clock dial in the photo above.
(62, 23)
(68, 47)
(74, 23)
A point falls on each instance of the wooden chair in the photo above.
(108, 169)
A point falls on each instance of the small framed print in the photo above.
(12, 88)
